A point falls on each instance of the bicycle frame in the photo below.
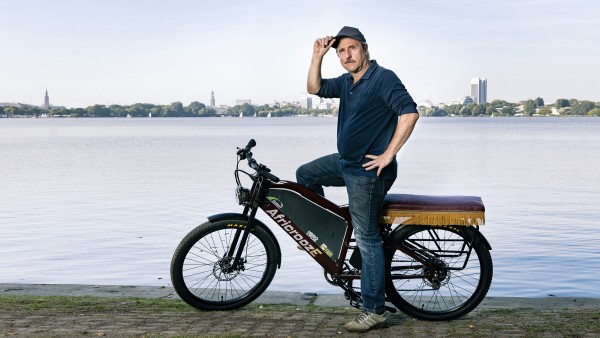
(322, 228)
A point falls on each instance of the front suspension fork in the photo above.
(241, 235)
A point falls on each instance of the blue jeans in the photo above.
(365, 198)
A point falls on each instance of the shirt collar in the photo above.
(370, 70)
(372, 66)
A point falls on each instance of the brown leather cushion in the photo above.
(433, 203)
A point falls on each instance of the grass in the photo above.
(36, 303)
(567, 322)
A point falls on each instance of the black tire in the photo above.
(453, 293)
(197, 267)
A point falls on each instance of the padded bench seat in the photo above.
(432, 210)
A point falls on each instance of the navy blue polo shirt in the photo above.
(368, 116)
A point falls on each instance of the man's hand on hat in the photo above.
(322, 45)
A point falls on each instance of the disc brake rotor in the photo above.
(223, 271)
(437, 274)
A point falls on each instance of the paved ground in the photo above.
(137, 311)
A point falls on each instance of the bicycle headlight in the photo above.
(242, 195)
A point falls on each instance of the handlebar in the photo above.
(261, 170)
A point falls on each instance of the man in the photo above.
(376, 117)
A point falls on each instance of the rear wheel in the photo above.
(202, 272)
(452, 282)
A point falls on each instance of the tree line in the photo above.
(175, 109)
(530, 107)
(563, 107)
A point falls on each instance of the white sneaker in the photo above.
(367, 321)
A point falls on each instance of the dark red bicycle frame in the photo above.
(260, 191)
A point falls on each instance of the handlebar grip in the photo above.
(245, 152)
(270, 176)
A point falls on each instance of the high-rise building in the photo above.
(479, 90)
(212, 98)
(306, 102)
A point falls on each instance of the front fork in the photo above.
(241, 235)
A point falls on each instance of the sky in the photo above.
(87, 52)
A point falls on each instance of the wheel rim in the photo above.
(208, 273)
(436, 288)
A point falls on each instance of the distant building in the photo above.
(306, 102)
(241, 102)
(221, 110)
(464, 100)
(479, 90)
(212, 98)
(323, 103)
(46, 101)
(425, 103)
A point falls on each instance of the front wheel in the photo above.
(202, 270)
(452, 282)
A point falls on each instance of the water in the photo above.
(106, 201)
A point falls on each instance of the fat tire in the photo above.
(449, 301)
(196, 266)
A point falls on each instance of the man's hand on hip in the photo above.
(378, 161)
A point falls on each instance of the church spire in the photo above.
(46, 100)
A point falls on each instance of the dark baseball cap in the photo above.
(349, 32)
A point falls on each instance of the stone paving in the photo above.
(276, 314)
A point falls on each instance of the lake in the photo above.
(106, 201)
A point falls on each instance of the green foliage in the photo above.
(435, 111)
(581, 107)
(207, 112)
(453, 109)
(529, 107)
(539, 102)
(562, 103)
(545, 111)
(98, 110)
(496, 108)
(241, 110)
(478, 110)
(594, 112)
(508, 110)
(194, 108)
(502, 108)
